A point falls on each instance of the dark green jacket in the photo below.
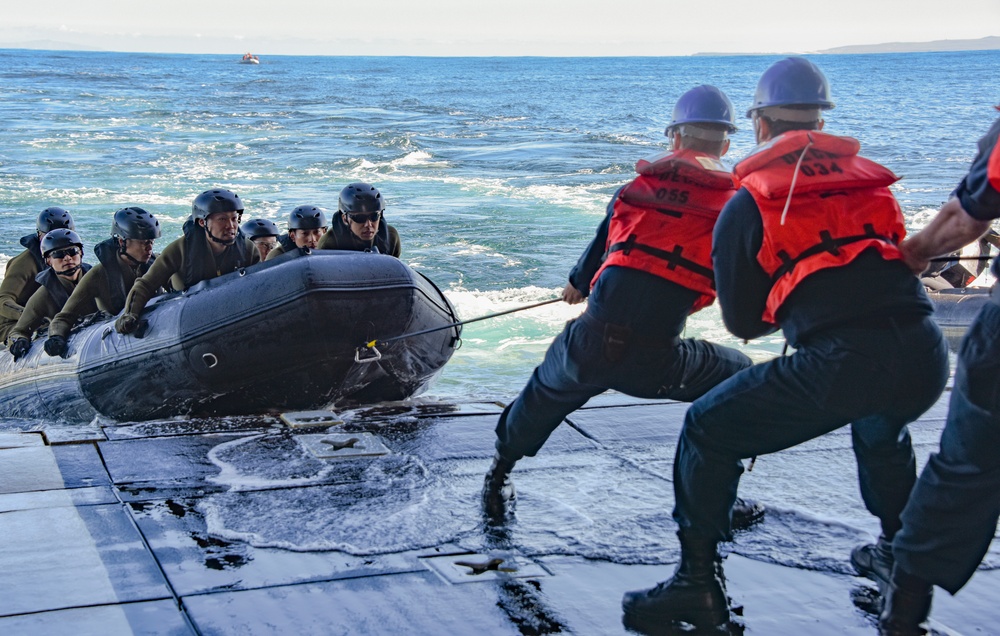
(187, 261)
(19, 283)
(340, 237)
(46, 302)
(106, 285)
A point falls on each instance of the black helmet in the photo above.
(135, 223)
(58, 239)
(212, 202)
(54, 218)
(307, 217)
(360, 198)
(255, 228)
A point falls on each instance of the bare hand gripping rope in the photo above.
(377, 355)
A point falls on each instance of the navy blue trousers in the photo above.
(876, 379)
(577, 367)
(952, 514)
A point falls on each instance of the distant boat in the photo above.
(249, 58)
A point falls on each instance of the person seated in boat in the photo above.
(211, 246)
(19, 279)
(359, 224)
(264, 235)
(306, 226)
(124, 257)
(62, 250)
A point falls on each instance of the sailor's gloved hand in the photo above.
(20, 347)
(56, 346)
(126, 323)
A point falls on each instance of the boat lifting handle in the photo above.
(210, 360)
(368, 358)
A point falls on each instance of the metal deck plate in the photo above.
(303, 419)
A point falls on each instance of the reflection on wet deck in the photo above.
(367, 521)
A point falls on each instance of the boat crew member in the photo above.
(211, 246)
(123, 258)
(646, 271)
(952, 513)
(359, 224)
(63, 253)
(19, 278)
(263, 233)
(808, 244)
(306, 226)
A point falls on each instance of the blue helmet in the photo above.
(703, 105)
(793, 81)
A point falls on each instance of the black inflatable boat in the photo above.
(954, 310)
(278, 336)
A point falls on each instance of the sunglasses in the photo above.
(69, 251)
(361, 219)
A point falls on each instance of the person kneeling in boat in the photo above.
(212, 245)
(263, 234)
(641, 293)
(19, 279)
(359, 225)
(306, 226)
(123, 258)
(63, 253)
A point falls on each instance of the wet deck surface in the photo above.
(254, 526)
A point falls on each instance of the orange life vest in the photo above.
(662, 221)
(821, 205)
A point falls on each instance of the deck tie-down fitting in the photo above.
(493, 565)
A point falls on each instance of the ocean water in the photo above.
(496, 171)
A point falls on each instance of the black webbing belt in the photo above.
(673, 258)
(828, 244)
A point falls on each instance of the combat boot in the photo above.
(746, 513)
(694, 595)
(498, 490)
(874, 561)
(907, 605)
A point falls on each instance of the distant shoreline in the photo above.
(989, 43)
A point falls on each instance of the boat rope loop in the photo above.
(370, 346)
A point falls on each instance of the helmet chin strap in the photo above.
(68, 272)
(128, 257)
(217, 239)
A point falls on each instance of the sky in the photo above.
(473, 27)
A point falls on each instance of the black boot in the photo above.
(694, 595)
(498, 490)
(874, 561)
(907, 605)
(746, 512)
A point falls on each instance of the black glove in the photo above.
(126, 323)
(19, 348)
(56, 346)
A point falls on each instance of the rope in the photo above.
(371, 345)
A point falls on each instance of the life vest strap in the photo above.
(674, 258)
(828, 244)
